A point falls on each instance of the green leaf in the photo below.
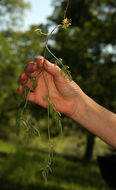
(58, 61)
(44, 176)
(56, 116)
(26, 90)
(66, 72)
(46, 98)
(39, 31)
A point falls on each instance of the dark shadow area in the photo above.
(11, 185)
(107, 165)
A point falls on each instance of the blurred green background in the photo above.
(88, 47)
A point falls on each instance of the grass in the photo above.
(6, 147)
(20, 169)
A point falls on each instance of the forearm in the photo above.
(96, 119)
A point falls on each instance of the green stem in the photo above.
(46, 84)
(66, 9)
(46, 46)
(53, 55)
(26, 101)
(49, 122)
(48, 105)
(39, 75)
(49, 35)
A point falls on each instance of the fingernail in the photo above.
(39, 59)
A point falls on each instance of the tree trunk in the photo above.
(89, 148)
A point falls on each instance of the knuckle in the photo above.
(39, 59)
(29, 67)
(23, 78)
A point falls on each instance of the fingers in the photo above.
(24, 81)
(30, 97)
(20, 90)
(49, 67)
(39, 61)
(23, 78)
(31, 67)
(21, 87)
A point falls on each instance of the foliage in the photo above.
(50, 105)
(89, 48)
(90, 58)
(16, 49)
(14, 10)
(20, 170)
(86, 48)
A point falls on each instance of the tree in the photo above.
(16, 49)
(11, 13)
(85, 48)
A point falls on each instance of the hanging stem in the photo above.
(26, 102)
(46, 48)
(53, 55)
(66, 9)
(46, 45)
(48, 100)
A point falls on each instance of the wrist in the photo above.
(78, 107)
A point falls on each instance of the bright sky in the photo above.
(40, 10)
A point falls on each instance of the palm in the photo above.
(57, 92)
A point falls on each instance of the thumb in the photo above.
(52, 69)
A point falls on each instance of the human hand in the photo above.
(63, 93)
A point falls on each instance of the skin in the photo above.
(69, 99)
